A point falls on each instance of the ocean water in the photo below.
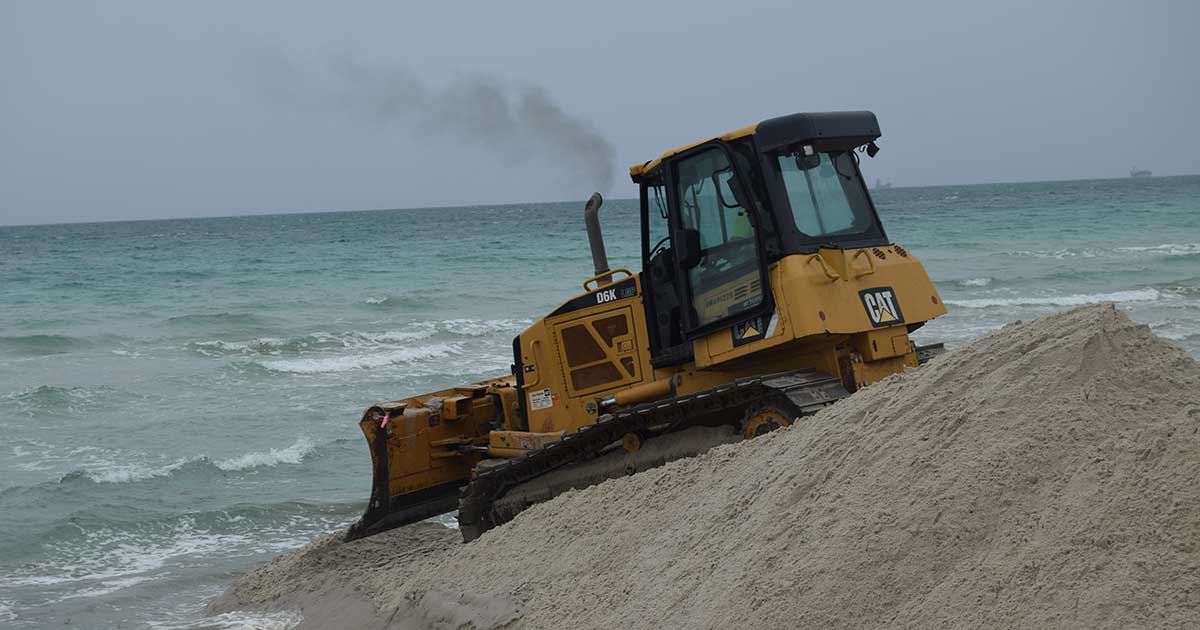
(178, 399)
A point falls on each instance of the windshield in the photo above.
(826, 196)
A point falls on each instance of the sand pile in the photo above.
(1047, 475)
(326, 579)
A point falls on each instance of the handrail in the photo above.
(825, 268)
(537, 369)
(870, 263)
(607, 275)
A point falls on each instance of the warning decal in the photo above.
(543, 399)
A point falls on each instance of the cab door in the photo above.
(725, 278)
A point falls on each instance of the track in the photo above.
(480, 505)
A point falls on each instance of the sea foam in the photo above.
(345, 363)
(1133, 295)
(133, 472)
(126, 473)
(354, 340)
(1167, 249)
(290, 455)
(235, 620)
(1163, 249)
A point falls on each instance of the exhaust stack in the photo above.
(591, 218)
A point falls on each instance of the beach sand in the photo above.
(1046, 475)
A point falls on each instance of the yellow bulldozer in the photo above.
(768, 290)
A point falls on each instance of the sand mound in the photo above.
(1047, 475)
(327, 579)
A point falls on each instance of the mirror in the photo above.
(724, 182)
(688, 252)
(740, 198)
(808, 162)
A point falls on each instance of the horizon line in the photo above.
(277, 213)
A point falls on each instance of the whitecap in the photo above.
(238, 619)
(346, 363)
(312, 342)
(125, 473)
(109, 559)
(113, 556)
(975, 282)
(1166, 249)
(290, 455)
(478, 327)
(362, 339)
(1083, 252)
(106, 587)
(1134, 295)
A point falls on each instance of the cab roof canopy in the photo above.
(822, 129)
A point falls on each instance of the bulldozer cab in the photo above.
(717, 214)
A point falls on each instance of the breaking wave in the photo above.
(975, 282)
(305, 343)
(1134, 295)
(1167, 249)
(296, 453)
(236, 620)
(356, 340)
(95, 554)
(126, 473)
(293, 454)
(1164, 249)
(345, 363)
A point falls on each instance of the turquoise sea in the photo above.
(178, 398)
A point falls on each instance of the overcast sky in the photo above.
(123, 110)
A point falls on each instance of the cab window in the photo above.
(727, 280)
(825, 194)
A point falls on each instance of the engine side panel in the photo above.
(592, 346)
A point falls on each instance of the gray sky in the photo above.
(168, 109)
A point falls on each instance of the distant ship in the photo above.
(1136, 172)
(881, 185)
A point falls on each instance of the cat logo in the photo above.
(883, 309)
(752, 329)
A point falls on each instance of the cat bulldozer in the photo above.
(768, 289)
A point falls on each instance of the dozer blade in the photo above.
(385, 510)
(499, 493)
(928, 352)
